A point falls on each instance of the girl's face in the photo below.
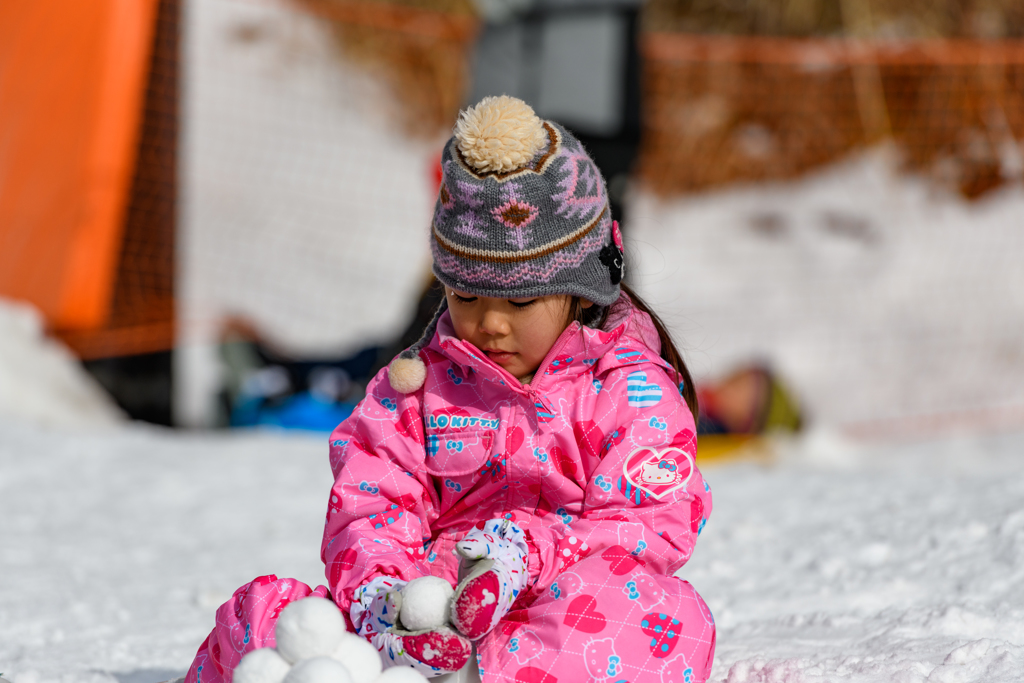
(514, 333)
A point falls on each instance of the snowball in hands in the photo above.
(311, 627)
(425, 603)
(261, 666)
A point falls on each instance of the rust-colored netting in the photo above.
(419, 47)
(725, 109)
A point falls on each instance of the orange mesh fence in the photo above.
(87, 168)
(141, 314)
(726, 109)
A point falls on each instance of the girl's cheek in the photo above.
(462, 327)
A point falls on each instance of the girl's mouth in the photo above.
(500, 357)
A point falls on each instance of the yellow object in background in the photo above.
(724, 447)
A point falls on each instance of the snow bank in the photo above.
(40, 380)
(896, 564)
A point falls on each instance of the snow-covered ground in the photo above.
(876, 295)
(835, 563)
(893, 563)
(117, 548)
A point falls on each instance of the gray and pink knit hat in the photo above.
(522, 212)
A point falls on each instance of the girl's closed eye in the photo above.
(518, 303)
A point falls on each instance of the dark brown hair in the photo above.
(595, 316)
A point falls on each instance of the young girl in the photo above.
(535, 449)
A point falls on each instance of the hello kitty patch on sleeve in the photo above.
(657, 473)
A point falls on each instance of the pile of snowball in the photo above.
(313, 646)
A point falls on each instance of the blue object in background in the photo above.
(298, 411)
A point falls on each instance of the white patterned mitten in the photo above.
(431, 652)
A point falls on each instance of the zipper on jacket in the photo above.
(542, 410)
(509, 425)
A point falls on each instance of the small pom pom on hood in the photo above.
(407, 375)
(499, 134)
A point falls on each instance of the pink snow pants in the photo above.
(245, 622)
(605, 618)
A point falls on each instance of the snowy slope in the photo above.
(876, 294)
(899, 564)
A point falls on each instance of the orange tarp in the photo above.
(72, 80)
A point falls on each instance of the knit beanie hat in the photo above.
(522, 212)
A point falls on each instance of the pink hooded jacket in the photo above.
(596, 452)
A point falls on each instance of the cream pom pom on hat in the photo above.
(499, 135)
(522, 212)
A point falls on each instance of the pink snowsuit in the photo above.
(593, 460)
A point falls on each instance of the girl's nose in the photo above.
(494, 323)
